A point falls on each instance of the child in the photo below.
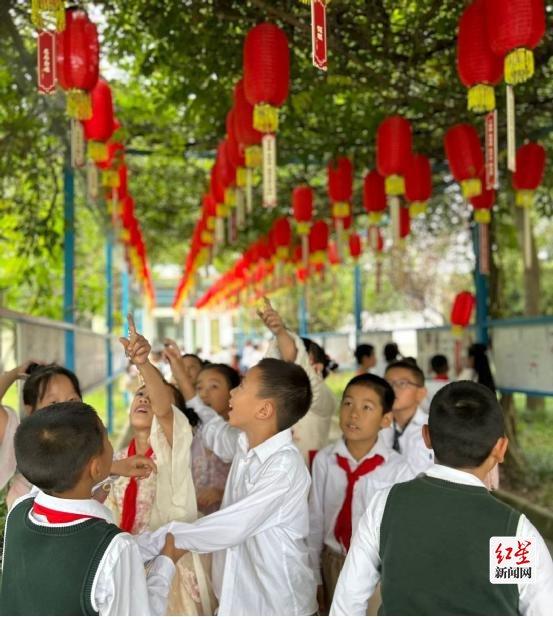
(213, 385)
(311, 432)
(440, 367)
(428, 540)
(365, 358)
(405, 435)
(261, 566)
(161, 431)
(359, 460)
(193, 364)
(45, 385)
(478, 368)
(62, 553)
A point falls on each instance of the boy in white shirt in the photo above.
(359, 462)
(405, 434)
(62, 552)
(261, 563)
(440, 369)
(427, 541)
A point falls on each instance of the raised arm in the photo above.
(273, 321)
(184, 383)
(7, 379)
(137, 349)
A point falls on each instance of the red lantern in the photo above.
(99, 128)
(483, 205)
(374, 196)
(282, 237)
(234, 151)
(461, 311)
(529, 173)
(78, 60)
(340, 185)
(302, 205)
(209, 206)
(393, 149)
(333, 257)
(355, 248)
(515, 27)
(318, 242)
(266, 74)
(404, 223)
(466, 161)
(478, 67)
(246, 135)
(418, 183)
(122, 189)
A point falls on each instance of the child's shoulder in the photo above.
(326, 454)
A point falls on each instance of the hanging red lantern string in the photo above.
(530, 168)
(235, 153)
(374, 202)
(266, 82)
(78, 60)
(483, 205)
(302, 206)
(340, 192)
(393, 150)
(418, 184)
(318, 246)
(333, 258)
(466, 161)
(99, 128)
(355, 247)
(461, 313)
(478, 67)
(404, 223)
(514, 29)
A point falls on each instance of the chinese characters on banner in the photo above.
(491, 150)
(513, 560)
(318, 33)
(46, 62)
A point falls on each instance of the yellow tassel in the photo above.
(340, 210)
(230, 198)
(79, 105)
(375, 218)
(282, 252)
(253, 156)
(207, 237)
(417, 208)
(395, 185)
(519, 66)
(110, 179)
(97, 151)
(524, 199)
(481, 98)
(46, 12)
(210, 223)
(483, 216)
(457, 331)
(317, 258)
(241, 177)
(471, 187)
(223, 210)
(265, 118)
(303, 228)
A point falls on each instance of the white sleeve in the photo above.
(217, 434)
(359, 502)
(122, 586)
(361, 572)
(315, 539)
(536, 598)
(258, 511)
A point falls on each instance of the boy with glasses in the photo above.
(405, 434)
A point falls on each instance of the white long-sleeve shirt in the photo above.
(361, 571)
(328, 491)
(411, 442)
(120, 586)
(258, 537)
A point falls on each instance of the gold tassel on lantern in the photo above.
(416, 208)
(265, 118)
(482, 216)
(395, 185)
(45, 11)
(253, 156)
(97, 151)
(79, 105)
(110, 178)
(519, 66)
(471, 187)
(481, 98)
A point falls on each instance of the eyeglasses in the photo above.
(401, 384)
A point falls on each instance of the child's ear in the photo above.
(426, 436)
(421, 394)
(95, 469)
(387, 418)
(266, 411)
(500, 449)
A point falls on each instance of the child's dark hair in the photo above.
(439, 364)
(319, 356)
(410, 365)
(54, 444)
(363, 350)
(37, 382)
(180, 403)
(465, 422)
(391, 352)
(196, 357)
(232, 376)
(288, 385)
(477, 351)
(375, 383)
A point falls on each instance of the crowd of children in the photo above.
(230, 500)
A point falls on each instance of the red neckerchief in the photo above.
(55, 516)
(128, 513)
(441, 378)
(342, 529)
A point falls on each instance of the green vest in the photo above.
(434, 550)
(50, 570)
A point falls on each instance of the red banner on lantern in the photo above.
(46, 62)
(318, 33)
(491, 150)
